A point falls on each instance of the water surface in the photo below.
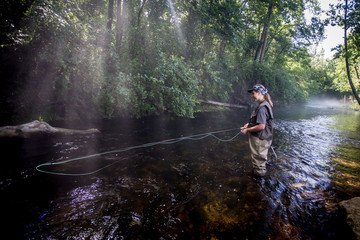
(191, 189)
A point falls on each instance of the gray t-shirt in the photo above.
(263, 114)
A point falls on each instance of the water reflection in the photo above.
(307, 148)
(196, 190)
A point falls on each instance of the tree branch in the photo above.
(347, 57)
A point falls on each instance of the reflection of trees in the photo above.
(345, 155)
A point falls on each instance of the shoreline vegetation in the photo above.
(107, 59)
(204, 106)
(40, 126)
(354, 106)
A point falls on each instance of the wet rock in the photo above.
(352, 208)
(298, 185)
(24, 130)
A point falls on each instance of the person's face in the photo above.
(257, 96)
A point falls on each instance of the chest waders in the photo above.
(260, 142)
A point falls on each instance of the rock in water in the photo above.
(36, 126)
(352, 208)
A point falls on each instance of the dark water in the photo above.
(188, 190)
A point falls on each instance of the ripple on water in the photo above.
(203, 189)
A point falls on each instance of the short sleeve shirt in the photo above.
(262, 115)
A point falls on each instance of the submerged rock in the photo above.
(36, 126)
(352, 207)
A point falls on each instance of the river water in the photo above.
(192, 189)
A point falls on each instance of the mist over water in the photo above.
(325, 102)
(191, 189)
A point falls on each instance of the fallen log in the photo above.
(223, 104)
(25, 130)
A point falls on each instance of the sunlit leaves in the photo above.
(341, 82)
(336, 17)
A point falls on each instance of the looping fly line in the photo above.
(164, 142)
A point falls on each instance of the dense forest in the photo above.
(83, 59)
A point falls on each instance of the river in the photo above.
(191, 189)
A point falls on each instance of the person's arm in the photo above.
(261, 121)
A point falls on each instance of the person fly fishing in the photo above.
(260, 128)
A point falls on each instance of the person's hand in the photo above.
(244, 129)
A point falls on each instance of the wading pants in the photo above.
(259, 151)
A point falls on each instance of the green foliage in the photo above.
(146, 96)
(228, 25)
(218, 76)
(180, 85)
(68, 59)
(285, 85)
(68, 68)
(11, 15)
(337, 17)
(340, 80)
(352, 23)
(115, 95)
(174, 86)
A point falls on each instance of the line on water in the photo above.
(168, 141)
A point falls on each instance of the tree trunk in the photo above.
(222, 47)
(110, 22)
(260, 52)
(347, 58)
(140, 11)
(357, 75)
(109, 64)
(224, 104)
(119, 26)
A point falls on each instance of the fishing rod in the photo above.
(167, 141)
(276, 157)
